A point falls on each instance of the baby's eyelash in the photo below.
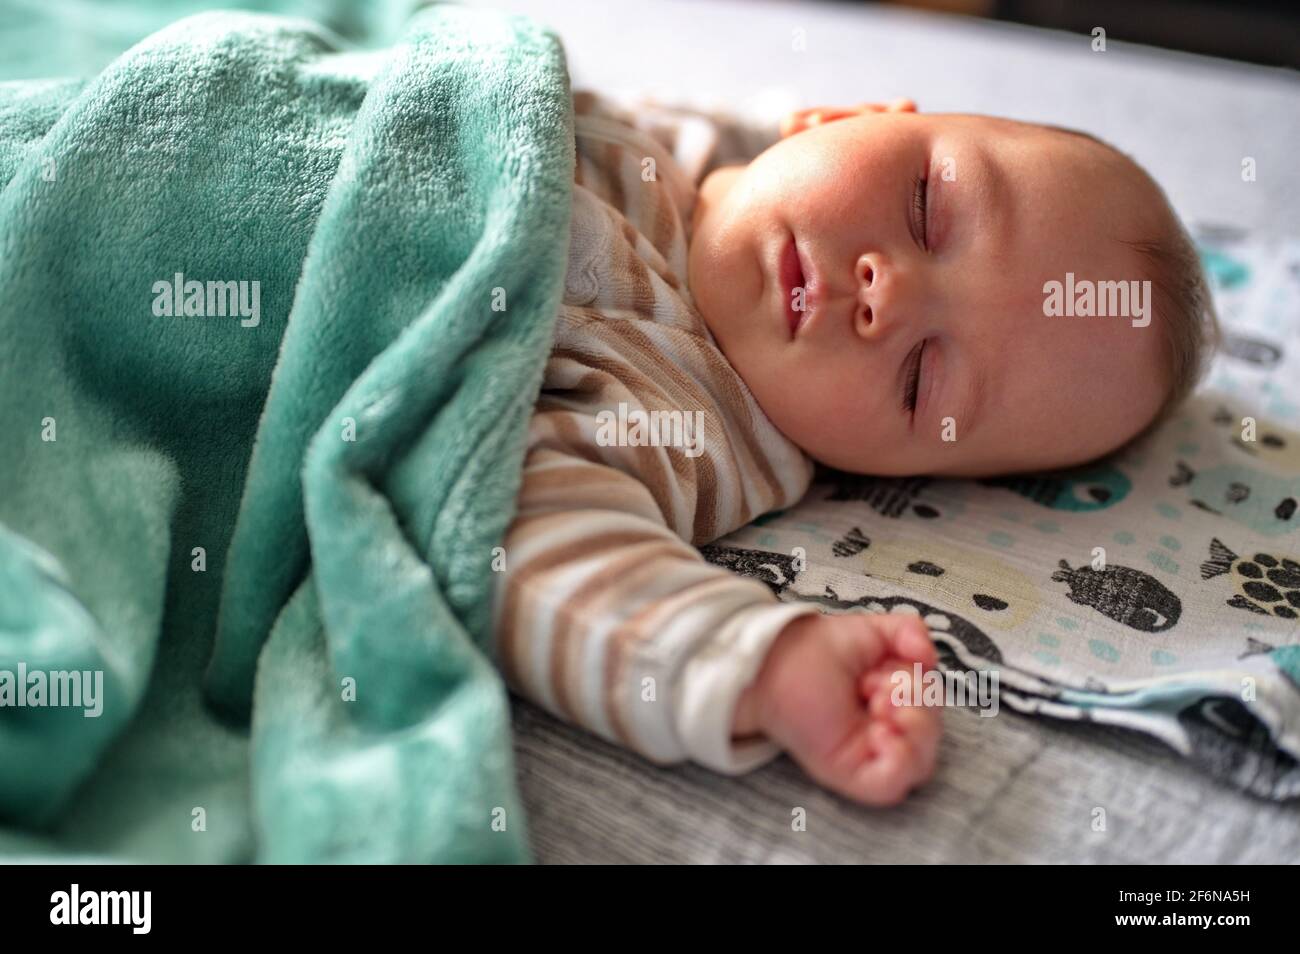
(913, 379)
(919, 199)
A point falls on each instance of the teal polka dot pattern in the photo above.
(1124, 537)
(1162, 561)
(1168, 510)
(1000, 539)
(1171, 543)
(1162, 657)
(1103, 650)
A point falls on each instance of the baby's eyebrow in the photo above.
(991, 190)
(971, 406)
(990, 210)
(993, 207)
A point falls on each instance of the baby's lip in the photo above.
(793, 273)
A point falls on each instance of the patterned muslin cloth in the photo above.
(1157, 590)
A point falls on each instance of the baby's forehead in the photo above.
(1004, 125)
(1067, 165)
(1062, 142)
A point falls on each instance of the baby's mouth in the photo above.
(791, 272)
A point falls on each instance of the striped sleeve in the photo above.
(699, 140)
(645, 443)
(607, 615)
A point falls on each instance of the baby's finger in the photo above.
(873, 681)
(887, 690)
(862, 644)
(923, 727)
(908, 638)
(886, 776)
(892, 681)
(900, 710)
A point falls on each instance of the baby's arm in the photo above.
(609, 619)
(699, 139)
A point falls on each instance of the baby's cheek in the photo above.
(844, 426)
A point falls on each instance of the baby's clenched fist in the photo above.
(825, 693)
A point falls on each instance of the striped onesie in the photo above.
(605, 613)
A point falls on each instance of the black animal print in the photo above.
(1254, 350)
(889, 497)
(946, 623)
(1126, 595)
(854, 542)
(1266, 584)
(776, 570)
(1229, 742)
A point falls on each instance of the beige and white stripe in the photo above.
(606, 614)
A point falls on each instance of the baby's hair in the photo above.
(1187, 321)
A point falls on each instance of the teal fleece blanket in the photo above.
(275, 314)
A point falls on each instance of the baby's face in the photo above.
(931, 237)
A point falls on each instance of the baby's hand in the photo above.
(824, 695)
(803, 119)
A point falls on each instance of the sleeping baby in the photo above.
(871, 292)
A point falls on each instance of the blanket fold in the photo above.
(275, 315)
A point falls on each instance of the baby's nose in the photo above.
(865, 317)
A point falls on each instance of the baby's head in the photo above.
(880, 280)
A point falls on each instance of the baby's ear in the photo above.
(803, 119)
